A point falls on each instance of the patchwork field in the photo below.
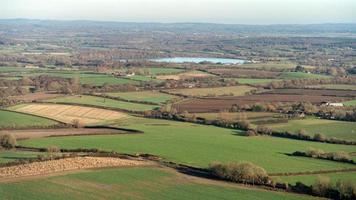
(10, 119)
(132, 183)
(185, 75)
(69, 113)
(315, 92)
(164, 70)
(330, 128)
(146, 96)
(104, 102)
(244, 73)
(200, 145)
(218, 91)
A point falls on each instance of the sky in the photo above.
(210, 11)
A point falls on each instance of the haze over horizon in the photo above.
(168, 11)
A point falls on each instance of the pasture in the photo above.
(146, 96)
(12, 155)
(335, 86)
(350, 103)
(300, 75)
(69, 113)
(212, 92)
(132, 183)
(330, 128)
(103, 102)
(254, 81)
(200, 145)
(10, 119)
(253, 117)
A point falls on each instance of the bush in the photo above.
(347, 190)
(245, 172)
(321, 186)
(77, 123)
(251, 133)
(8, 141)
(243, 125)
(264, 130)
(319, 137)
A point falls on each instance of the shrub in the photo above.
(347, 190)
(77, 123)
(319, 137)
(321, 186)
(244, 172)
(8, 141)
(243, 125)
(251, 133)
(264, 130)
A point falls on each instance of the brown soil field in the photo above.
(68, 113)
(244, 73)
(36, 96)
(315, 92)
(39, 133)
(182, 76)
(67, 164)
(223, 103)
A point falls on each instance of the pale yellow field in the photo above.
(69, 113)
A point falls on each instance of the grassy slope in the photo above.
(350, 103)
(163, 70)
(330, 128)
(254, 80)
(130, 183)
(148, 96)
(12, 119)
(200, 145)
(98, 101)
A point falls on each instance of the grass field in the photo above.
(9, 156)
(300, 75)
(330, 128)
(254, 81)
(310, 179)
(69, 113)
(200, 145)
(350, 103)
(185, 75)
(147, 96)
(18, 120)
(99, 101)
(217, 91)
(335, 87)
(132, 183)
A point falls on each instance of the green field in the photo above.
(350, 103)
(132, 183)
(8, 156)
(143, 78)
(335, 86)
(310, 179)
(199, 145)
(254, 81)
(16, 120)
(147, 96)
(300, 75)
(104, 102)
(330, 128)
(217, 91)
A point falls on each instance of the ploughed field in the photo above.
(215, 91)
(132, 183)
(144, 96)
(223, 103)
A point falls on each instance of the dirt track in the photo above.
(39, 133)
(67, 164)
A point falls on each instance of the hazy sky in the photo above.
(223, 11)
